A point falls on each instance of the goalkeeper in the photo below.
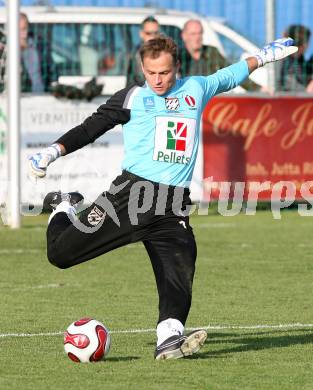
(149, 201)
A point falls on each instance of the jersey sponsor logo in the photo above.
(148, 102)
(174, 139)
(190, 100)
(95, 216)
(172, 103)
(176, 136)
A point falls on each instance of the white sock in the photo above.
(168, 328)
(64, 207)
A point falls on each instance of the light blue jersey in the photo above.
(162, 136)
(161, 133)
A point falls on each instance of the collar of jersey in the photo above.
(169, 93)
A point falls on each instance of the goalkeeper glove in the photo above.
(275, 51)
(38, 163)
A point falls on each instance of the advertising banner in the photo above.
(89, 170)
(262, 144)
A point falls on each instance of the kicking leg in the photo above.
(71, 241)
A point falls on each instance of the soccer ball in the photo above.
(87, 340)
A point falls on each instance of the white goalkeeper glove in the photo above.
(38, 163)
(275, 51)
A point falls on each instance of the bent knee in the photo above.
(58, 260)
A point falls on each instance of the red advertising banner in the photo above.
(261, 142)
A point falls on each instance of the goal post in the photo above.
(13, 113)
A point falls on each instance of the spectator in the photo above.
(107, 63)
(296, 73)
(150, 29)
(32, 78)
(197, 59)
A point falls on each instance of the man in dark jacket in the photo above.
(197, 59)
(36, 74)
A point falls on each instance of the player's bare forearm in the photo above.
(63, 150)
(252, 64)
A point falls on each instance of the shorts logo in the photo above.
(95, 216)
(172, 103)
(190, 100)
(174, 139)
(148, 102)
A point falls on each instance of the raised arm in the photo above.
(234, 75)
(274, 51)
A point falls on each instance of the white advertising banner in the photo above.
(89, 170)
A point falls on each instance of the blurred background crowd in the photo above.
(55, 52)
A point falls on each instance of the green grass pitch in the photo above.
(252, 272)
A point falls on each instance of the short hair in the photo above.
(299, 33)
(192, 21)
(151, 19)
(155, 46)
(24, 16)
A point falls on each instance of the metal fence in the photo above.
(95, 49)
(246, 16)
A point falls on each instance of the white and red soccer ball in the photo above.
(87, 340)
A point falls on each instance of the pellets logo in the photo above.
(176, 136)
(174, 139)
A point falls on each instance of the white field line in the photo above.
(208, 327)
(7, 251)
(214, 225)
(40, 287)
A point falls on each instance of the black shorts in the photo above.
(135, 209)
